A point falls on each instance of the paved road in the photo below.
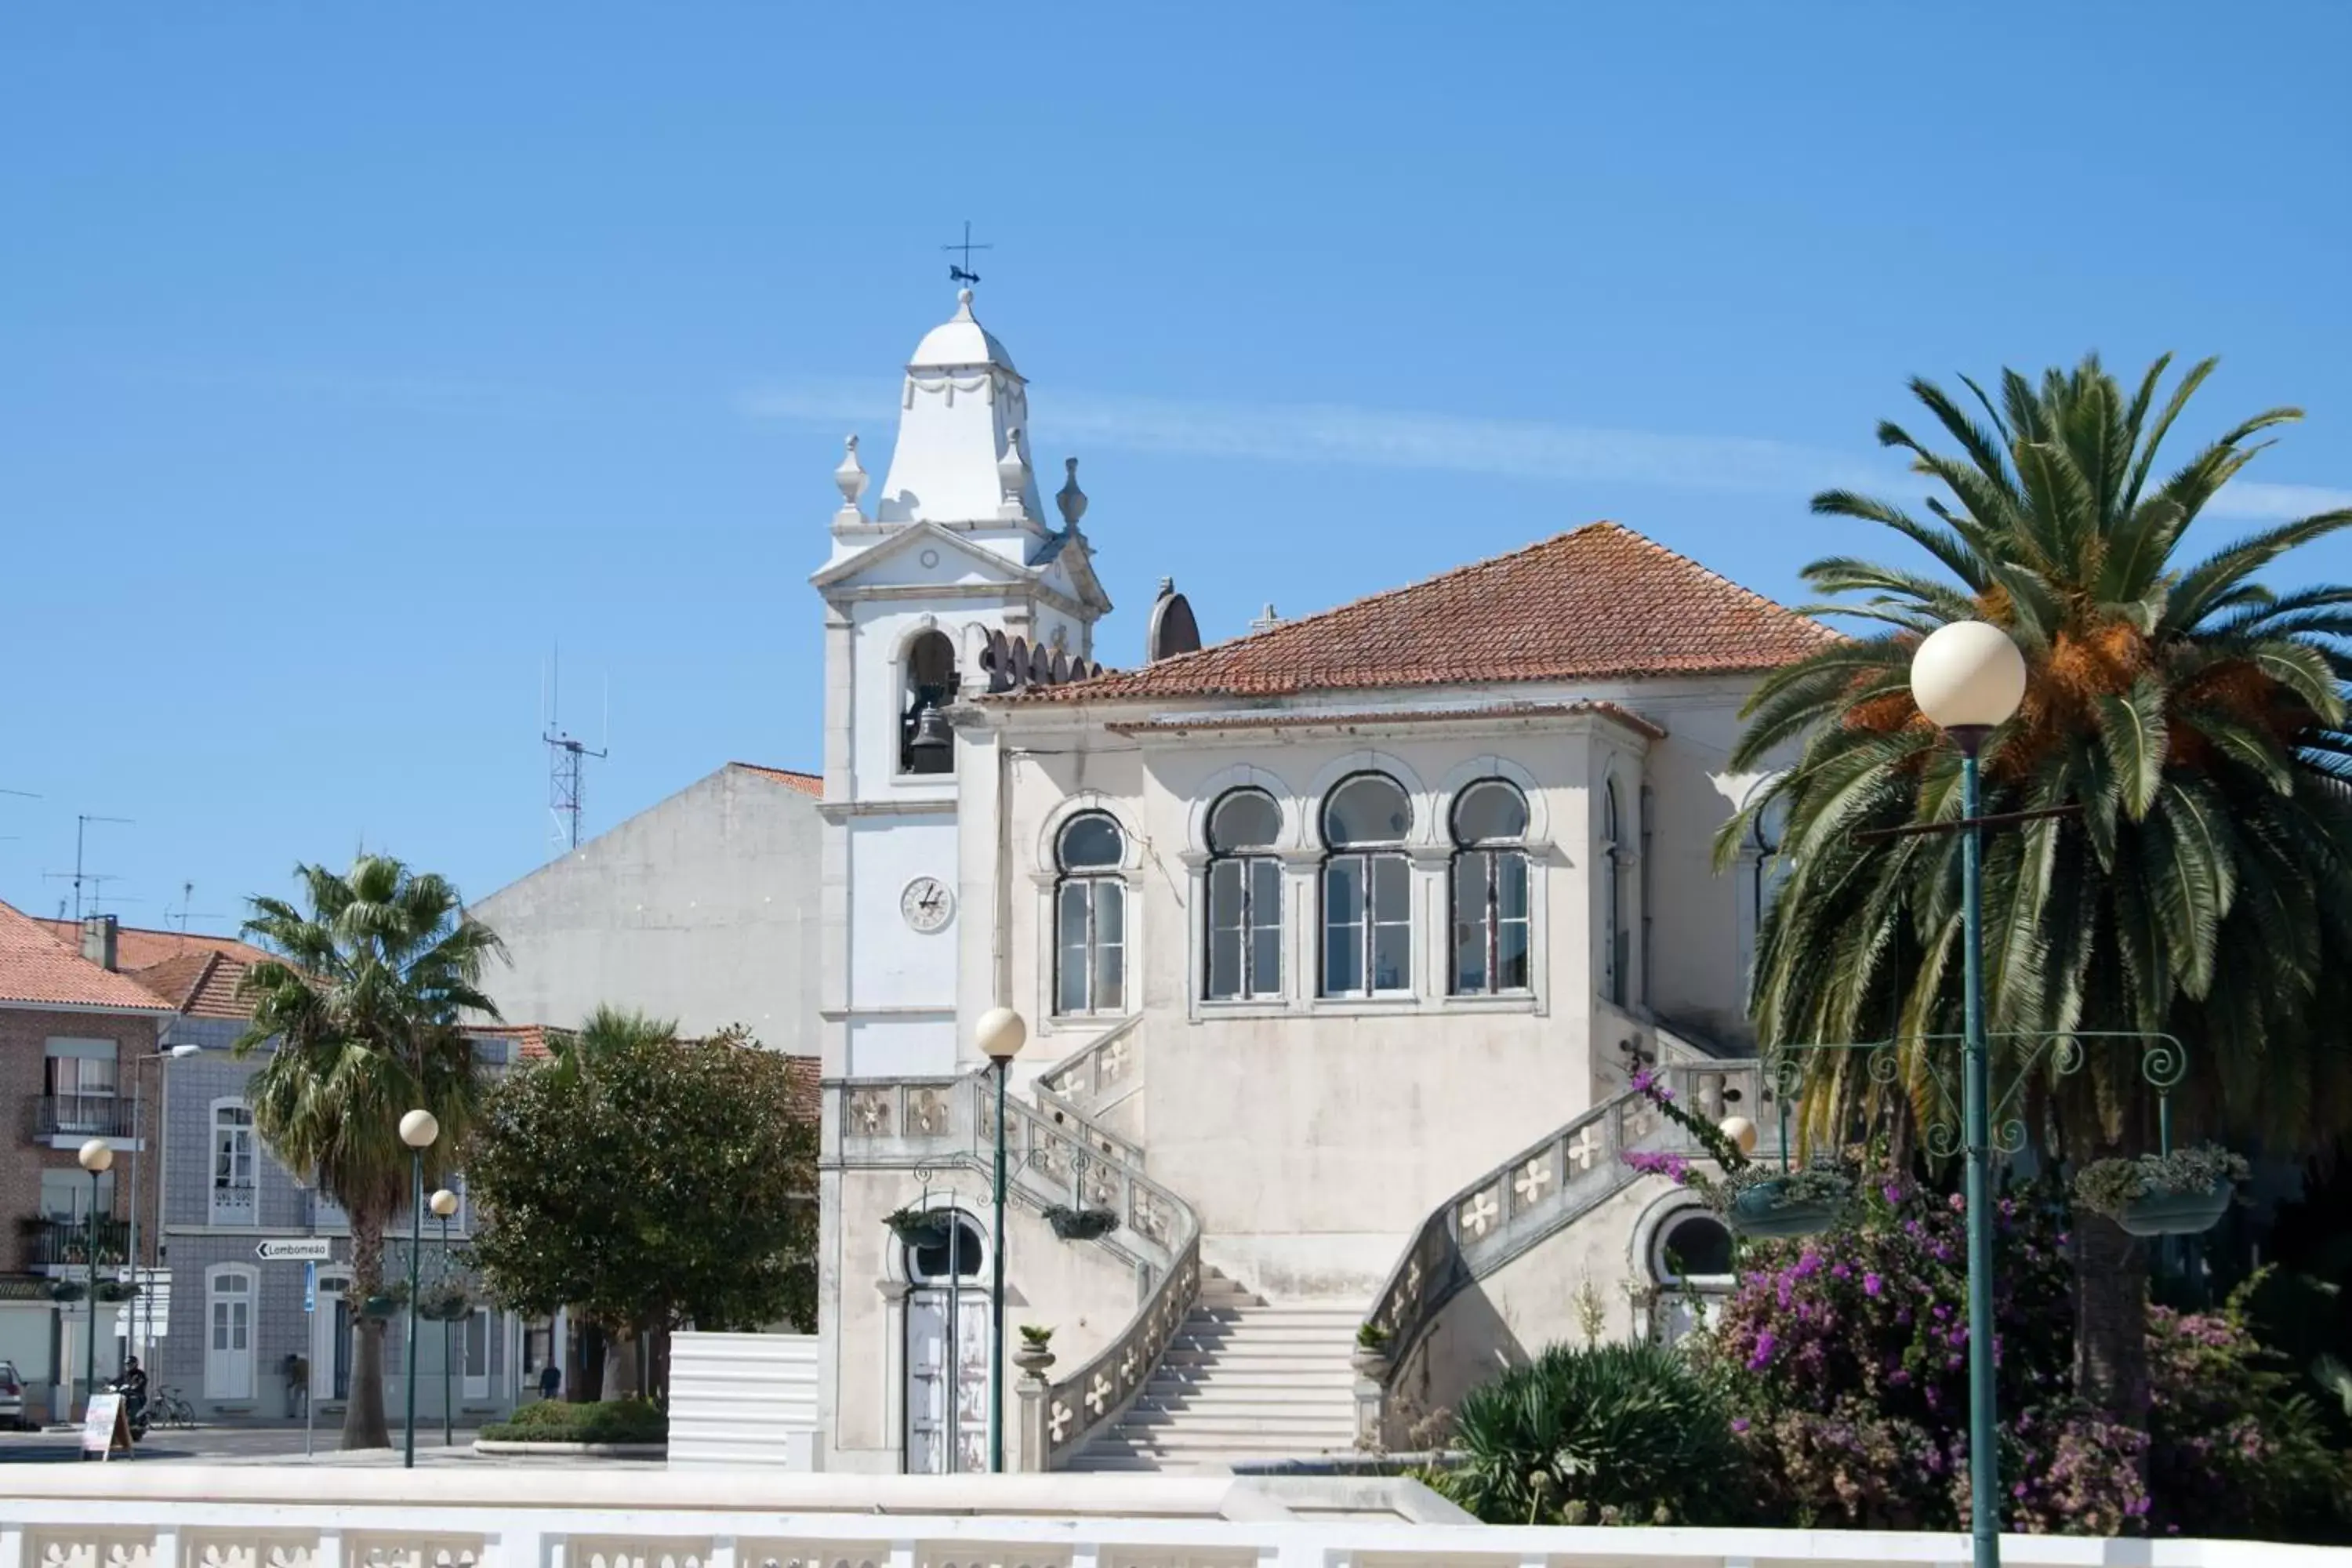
(235, 1445)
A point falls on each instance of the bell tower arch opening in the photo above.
(926, 743)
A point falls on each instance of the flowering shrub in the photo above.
(1735, 1172)
(1845, 1358)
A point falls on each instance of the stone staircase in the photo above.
(1241, 1381)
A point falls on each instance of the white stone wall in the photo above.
(703, 908)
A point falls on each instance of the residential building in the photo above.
(75, 1038)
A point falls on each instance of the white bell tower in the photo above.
(954, 559)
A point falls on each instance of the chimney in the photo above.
(98, 939)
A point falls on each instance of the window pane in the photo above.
(1266, 960)
(1489, 809)
(1266, 892)
(1469, 922)
(1070, 990)
(1110, 962)
(1391, 889)
(1111, 912)
(1224, 895)
(1511, 956)
(1511, 884)
(1224, 964)
(1343, 926)
(1343, 891)
(1370, 808)
(1091, 840)
(1245, 819)
(1391, 957)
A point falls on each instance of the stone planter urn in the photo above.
(1034, 1359)
(1371, 1361)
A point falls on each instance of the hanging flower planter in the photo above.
(444, 1304)
(1790, 1204)
(380, 1306)
(116, 1290)
(68, 1290)
(1081, 1225)
(2183, 1193)
(919, 1227)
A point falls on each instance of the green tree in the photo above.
(607, 1029)
(650, 1184)
(360, 1016)
(2197, 717)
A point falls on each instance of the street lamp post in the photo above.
(418, 1130)
(445, 1203)
(1968, 678)
(1000, 1035)
(134, 1342)
(97, 1157)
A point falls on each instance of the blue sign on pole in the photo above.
(309, 1287)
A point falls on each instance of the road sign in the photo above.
(310, 1288)
(295, 1250)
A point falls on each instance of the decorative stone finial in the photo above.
(851, 476)
(963, 305)
(1267, 618)
(1166, 586)
(1070, 499)
(1012, 474)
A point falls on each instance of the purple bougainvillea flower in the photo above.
(1871, 1284)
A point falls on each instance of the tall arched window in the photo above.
(1244, 898)
(234, 1188)
(1367, 889)
(1490, 890)
(926, 746)
(1617, 957)
(1090, 917)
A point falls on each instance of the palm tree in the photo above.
(2196, 716)
(360, 1010)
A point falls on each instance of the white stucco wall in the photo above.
(703, 908)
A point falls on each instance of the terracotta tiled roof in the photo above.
(807, 784)
(1373, 718)
(37, 967)
(201, 984)
(1598, 604)
(807, 1074)
(142, 947)
(532, 1041)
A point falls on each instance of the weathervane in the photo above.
(964, 274)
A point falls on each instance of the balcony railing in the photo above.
(62, 1243)
(82, 1116)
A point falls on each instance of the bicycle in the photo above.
(169, 1408)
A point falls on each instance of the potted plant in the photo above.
(1769, 1205)
(1080, 1224)
(918, 1227)
(443, 1301)
(1036, 1353)
(1370, 1356)
(116, 1290)
(385, 1303)
(2179, 1193)
(68, 1290)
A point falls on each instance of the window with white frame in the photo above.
(1491, 941)
(1244, 917)
(1367, 888)
(79, 1079)
(233, 1173)
(1089, 916)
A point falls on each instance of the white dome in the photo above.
(961, 342)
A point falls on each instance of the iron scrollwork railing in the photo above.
(935, 1123)
(1538, 1191)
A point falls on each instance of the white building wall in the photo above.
(703, 908)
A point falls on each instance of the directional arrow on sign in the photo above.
(295, 1250)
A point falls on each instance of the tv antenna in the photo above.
(78, 876)
(187, 900)
(565, 753)
(964, 274)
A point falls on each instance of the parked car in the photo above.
(12, 1397)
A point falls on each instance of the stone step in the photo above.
(1258, 1385)
(1196, 1423)
(1275, 1445)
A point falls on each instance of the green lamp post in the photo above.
(444, 1204)
(1967, 679)
(1000, 1033)
(97, 1157)
(419, 1129)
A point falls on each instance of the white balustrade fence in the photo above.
(133, 1515)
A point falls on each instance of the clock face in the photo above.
(927, 904)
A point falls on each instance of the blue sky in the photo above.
(350, 357)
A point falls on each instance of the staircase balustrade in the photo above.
(1539, 1191)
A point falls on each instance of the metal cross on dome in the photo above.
(964, 274)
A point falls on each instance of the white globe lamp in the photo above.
(97, 1156)
(1000, 1033)
(1968, 678)
(418, 1129)
(1741, 1131)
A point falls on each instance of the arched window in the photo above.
(956, 1255)
(1490, 890)
(1692, 1248)
(1367, 889)
(1616, 956)
(233, 1190)
(1244, 898)
(1090, 917)
(926, 746)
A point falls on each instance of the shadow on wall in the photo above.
(1469, 1344)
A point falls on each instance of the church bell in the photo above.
(931, 731)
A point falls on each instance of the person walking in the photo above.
(550, 1380)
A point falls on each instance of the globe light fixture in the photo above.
(97, 1157)
(1000, 1033)
(1968, 676)
(444, 1203)
(420, 1130)
(1741, 1131)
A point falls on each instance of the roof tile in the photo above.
(37, 967)
(1599, 602)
